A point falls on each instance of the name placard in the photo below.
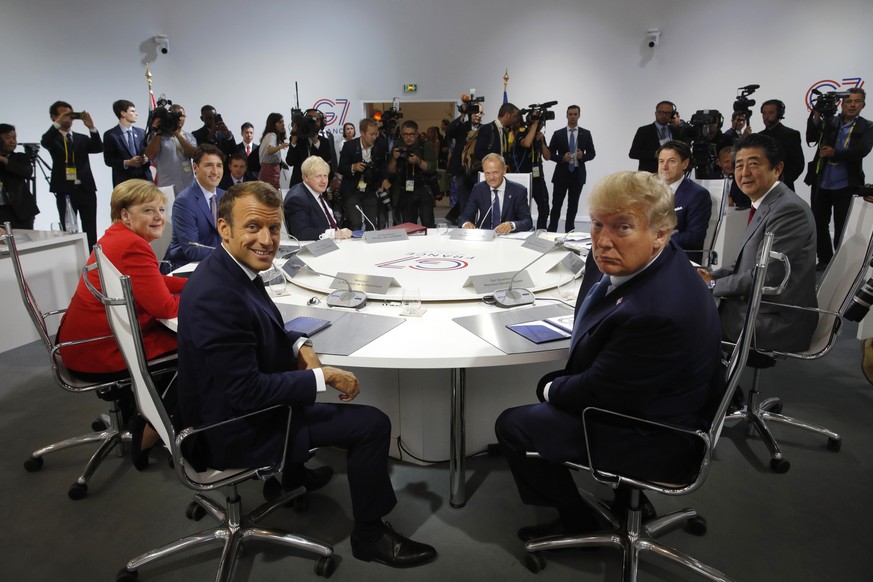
(320, 247)
(535, 243)
(293, 266)
(491, 282)
(366, 283)
(572, 263)
(388, 235)
(476, 234)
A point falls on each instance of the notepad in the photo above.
(564, 322)
(539, 332)
(307, 326)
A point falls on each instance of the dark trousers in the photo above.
(367, 201)
(462, 191)
(574, 188)
(540, 195)
(416, 205)
(8, 215)
(365, 433)
(85, 205)
(822, 203)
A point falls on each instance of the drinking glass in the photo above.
(567, 286)
(442, 229)
(275, 280)
(411, 301)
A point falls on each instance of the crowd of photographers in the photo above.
(394, 172)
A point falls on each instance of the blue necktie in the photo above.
(572, 162)
(495, 210)
(130, 144)
(596, 293)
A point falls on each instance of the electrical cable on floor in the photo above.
(487, 450)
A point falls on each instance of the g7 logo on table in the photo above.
(827, 85)
(427, 262)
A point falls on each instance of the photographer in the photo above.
(214, 131)
(527, 158)
(459, 129)
(170, 149)
(570, 148)
(413, 165)
(363, 165)
(496, 137)
(17, 204)
(305, 141)
(837, 172)
(71, 167)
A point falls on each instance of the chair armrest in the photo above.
(835, 330)
(234, 476)
(614, 479)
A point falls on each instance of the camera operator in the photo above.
(413, 165)
(570, 148)
(17, 204)
(772, 113)
(306, 141)
(668, 125)
(837, 170)
(171, 150)
(363, 165)
(527, 158)
(470, 119)
(71, 167)
(214, 131)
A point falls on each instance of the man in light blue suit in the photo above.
(195, 210)
(497, 203)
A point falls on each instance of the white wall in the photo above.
(244, 57)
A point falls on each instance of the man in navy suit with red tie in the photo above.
(569, 148)
(497, 203)
(646, 342)
(307, 213)
(123, 146)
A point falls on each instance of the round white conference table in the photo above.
(433, 342)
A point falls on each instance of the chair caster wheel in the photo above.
(696, 526)
(535, 562)
(195, 511)
(98, 425)
(33, 464)
(125, 575)
(301, 503)
(78, 491)
(780, 465)
(833, 445)
(325, 566)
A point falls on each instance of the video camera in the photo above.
(31, 150)
(302, 125)
(743, 105)
(468, 100)
(538, 112)
(390, 117)
(826, 103)
(169, 120)
(704, 154)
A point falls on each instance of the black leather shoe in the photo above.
(392, 549)
(317, 478)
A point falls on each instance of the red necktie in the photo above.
(751, 214)
(327, 212)
(248, 149)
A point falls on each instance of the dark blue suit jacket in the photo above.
(560, 145)
(116, 150)
(304, 217)
(693, 209)
(192, 221)
(234, 357)
(53, 142)
(515, 207)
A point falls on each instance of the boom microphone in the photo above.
(510, 297)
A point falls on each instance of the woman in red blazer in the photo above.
(137, 211)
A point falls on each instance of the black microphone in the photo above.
(364, 216)
(510, 297)
(197, 245)
(349, 298)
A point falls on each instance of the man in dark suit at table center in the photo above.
(235, 357)
(123, 146)
(497, 203)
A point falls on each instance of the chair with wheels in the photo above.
(108, 431)
(235, 528)
(844, 275)
(629, 532)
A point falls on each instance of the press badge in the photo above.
(410, 185)
(186, 167)
(536, 172)
(70, 173)
(362, 185)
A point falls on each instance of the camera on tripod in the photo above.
(826, 103)
(31, 150)
(538, 112)
(743, 105)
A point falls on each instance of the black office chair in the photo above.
(108, 430)
(235, 529)
(630, 533)
(844, 275)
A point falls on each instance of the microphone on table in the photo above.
(510, 297)
(364, 217)
(490, 208)
(197, 245)
(349, 297)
